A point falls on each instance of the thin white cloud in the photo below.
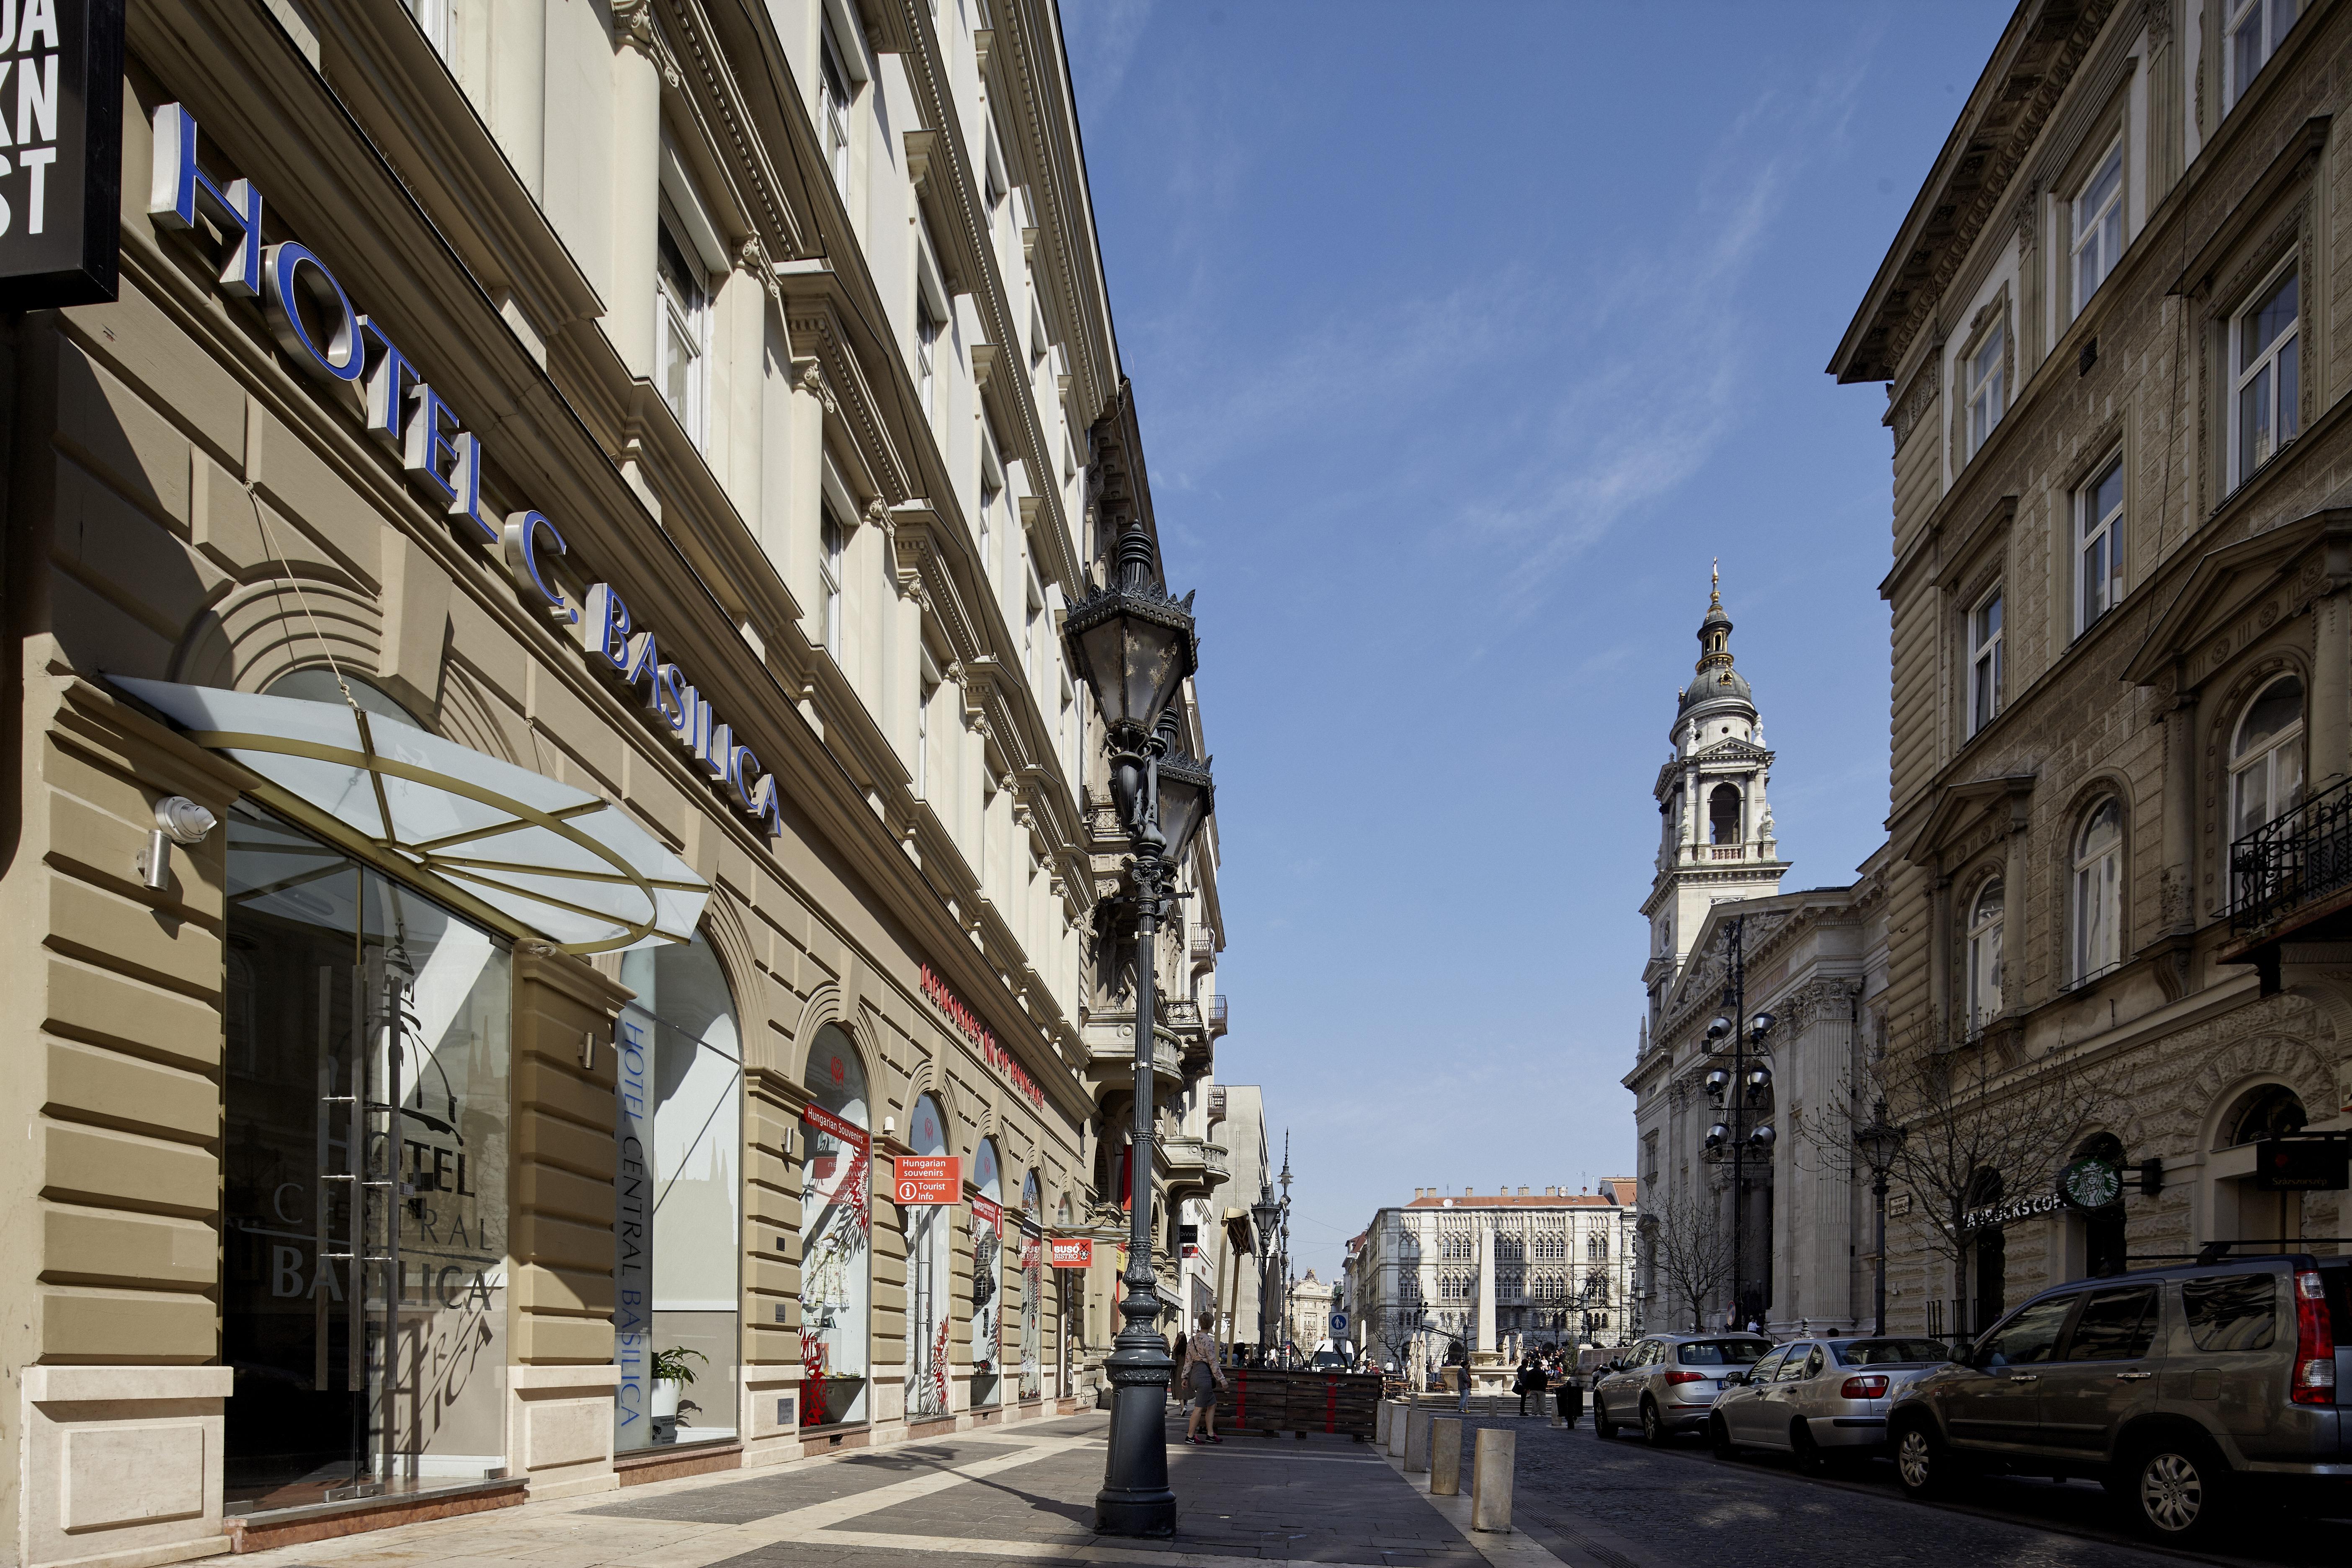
(1102, 37)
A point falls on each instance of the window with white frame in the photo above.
(833, 110)
(1982, 377)
(992, 498)
(2098, 891)
(2099, 545)
(437, 20)
(927, 692)
(2265, 362)
(2266, 759)
(1032, 617)
(2098, 225)
(833, 548)
(683, 342)
(1985, 918)
(927, 351)
(1984, 661)
(2252, 31)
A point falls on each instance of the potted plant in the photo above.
(672, 1373)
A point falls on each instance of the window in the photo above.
(2099, 554)
(1723, 815)
(927, 691)
(435, 19)
(2031, 1336)
(2252, 30)
(1984, 662)
(2236, 1312)
(2266, 349)
(1983, 386)
(2098, 891)
(2115, 1325)
(832, 546)
(833, 110)
(926, 350)
(2266, 759)
(2099, 226)
(685, 307)
(1984, 956)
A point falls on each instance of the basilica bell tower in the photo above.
(1716, 841)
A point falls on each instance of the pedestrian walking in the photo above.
(1203, 1378)
(1530, 1383)
(1461, 1371)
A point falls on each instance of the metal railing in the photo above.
(1217, 1019)
(2295, 858)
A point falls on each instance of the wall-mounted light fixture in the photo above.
(178, 820)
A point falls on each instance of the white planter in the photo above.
(665, 1396)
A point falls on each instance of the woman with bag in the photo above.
(1203, 1378)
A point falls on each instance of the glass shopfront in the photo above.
(364, 1180)
(678, 1199)
(836, 1219)
(1033, 1288)
(930, 1266)
(987, 1278)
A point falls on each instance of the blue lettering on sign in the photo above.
(355, 361)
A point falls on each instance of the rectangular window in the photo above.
(1983, 375)
(683, 339)
(2116, 1326)
(2236, 1312)
(2099, 548)
(833, 110)
(833, 546)
(927, 692)
(2099, 226)
(2253, 31)
(2265, 362)
(1984, 662)
(927, 351)
(437, 20)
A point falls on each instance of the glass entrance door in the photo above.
(364, 1204)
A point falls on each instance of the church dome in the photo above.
(1716, 680)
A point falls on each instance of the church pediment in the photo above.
(1732, 749)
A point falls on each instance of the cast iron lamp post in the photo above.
(1744, 1086)
(1133, 646)
(1880, 1143)
(1268, 1213)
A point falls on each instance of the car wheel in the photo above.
(1809, 1455)
(1602, 1427)
(1718, 1437)
(2174, 1488)
(1921, 1462)
(1653, 1425)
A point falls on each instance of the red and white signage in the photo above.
(921, 1179)
(968, 1026)
(1070, 1252)
(1028, 1253)
(987, 1213)
(825, 1121)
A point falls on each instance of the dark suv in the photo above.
(2177, 1387)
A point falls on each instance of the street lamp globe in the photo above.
(1761, 1023)
(1718, 1028)
(1879, 1141)
(1132, 643)
(1187, 793)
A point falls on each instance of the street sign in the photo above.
(925, 1179)
(1339, 1323)
(1070, 1252)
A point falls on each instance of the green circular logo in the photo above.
(2091, 1184)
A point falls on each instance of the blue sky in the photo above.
(1463, 338)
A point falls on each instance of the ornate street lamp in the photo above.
(1746, 1043)
(1133, 646)
(1268, 1213)
(1880, 1143)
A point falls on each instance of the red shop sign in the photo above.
(1070, 1252)
(824, 1120)
(928, 1178)
(985, 1212)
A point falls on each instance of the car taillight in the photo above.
(1869, 1387)
(2314, 1343)
(1701, 1377)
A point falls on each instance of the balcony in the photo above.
(1217, 1015)
(2291, 876)
(1110, 1060)
(1205, 949)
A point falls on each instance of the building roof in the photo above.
(1615, 1192)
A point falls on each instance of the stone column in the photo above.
(1485, 1329)
(2331, 670)
(2176, 891)
(1940, 999)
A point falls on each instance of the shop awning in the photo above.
(553, 859)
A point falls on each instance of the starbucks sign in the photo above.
(2091, 1184)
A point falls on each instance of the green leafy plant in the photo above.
(669, 1365)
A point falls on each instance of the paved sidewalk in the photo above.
(1000, 1497)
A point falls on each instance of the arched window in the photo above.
(2272, 1110)
(931, 1267)
(2266, 759)
(1723, 815)
(2099, 889)
(1989, 1255)
(1033, 1288)
(835, 1216)
(987, 1277)
(1984, 923)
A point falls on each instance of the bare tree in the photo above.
(1690, 1249)
(1980, 1129)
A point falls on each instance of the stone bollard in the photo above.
(1381, 1422)
(1397, 1424)
(1416, 1440)
(1445, 1458)
(1490, 1479)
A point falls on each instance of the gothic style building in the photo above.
(1807, 959)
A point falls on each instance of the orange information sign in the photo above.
(1071, 1252)
(928, 1178)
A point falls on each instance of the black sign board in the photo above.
(60, 151)
(2303, 1165)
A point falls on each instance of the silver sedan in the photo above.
(1816, 1397)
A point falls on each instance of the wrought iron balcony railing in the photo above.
(2296, 858)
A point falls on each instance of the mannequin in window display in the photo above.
(836, 1220)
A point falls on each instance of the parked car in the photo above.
(1668, 1382)
(2182, 1389)
(1814, 1398)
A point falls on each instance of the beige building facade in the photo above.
(2111, 336)
(543, 768)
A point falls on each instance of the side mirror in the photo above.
(1732, 1378)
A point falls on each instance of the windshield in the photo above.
(1892, 1353)
(1721, 1352)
